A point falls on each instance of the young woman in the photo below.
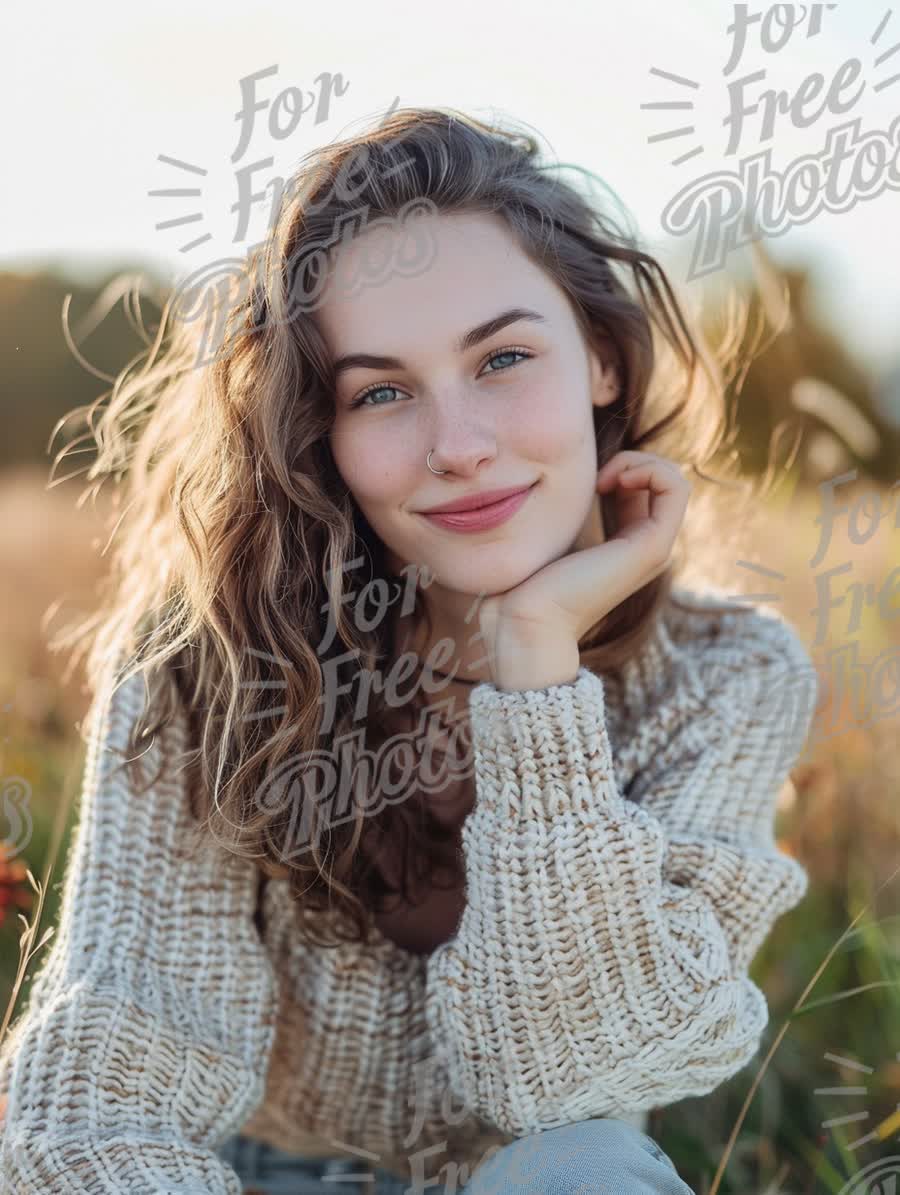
(420, 844)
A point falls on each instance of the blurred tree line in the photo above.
(805, 390)
(803, 386)
(42, 379)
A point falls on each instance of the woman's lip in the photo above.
(483, 517)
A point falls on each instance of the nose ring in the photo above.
(428, 463)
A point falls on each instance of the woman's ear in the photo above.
(606, 384)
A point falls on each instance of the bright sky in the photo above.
(101, 90)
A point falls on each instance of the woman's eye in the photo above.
(382, 387)
(506, 353)
(367, 394)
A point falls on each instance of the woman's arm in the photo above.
(147, 1033)
(601, 963)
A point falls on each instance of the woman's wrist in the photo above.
(537, 663)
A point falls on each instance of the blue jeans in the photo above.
(593, 1157)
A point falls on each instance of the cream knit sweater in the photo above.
(622, 873)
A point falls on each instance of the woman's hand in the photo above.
(531, 632)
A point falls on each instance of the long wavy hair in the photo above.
(233, 530)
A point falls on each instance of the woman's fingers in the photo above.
(651, 495)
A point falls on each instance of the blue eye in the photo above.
(378, 387)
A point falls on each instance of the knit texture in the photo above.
(621, 874)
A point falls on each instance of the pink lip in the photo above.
(483, 517)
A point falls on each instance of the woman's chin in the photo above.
(492, 578)
(486, 568)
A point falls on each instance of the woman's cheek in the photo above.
(546, 428)
(355, 461)
(364, 461)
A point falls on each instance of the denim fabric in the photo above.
(593, 1157)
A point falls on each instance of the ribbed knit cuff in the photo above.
(539, 752)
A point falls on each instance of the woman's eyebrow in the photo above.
(466, 341)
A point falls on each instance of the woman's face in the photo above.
(512, 409)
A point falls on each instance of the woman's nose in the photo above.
(460, 441)
(461, 455)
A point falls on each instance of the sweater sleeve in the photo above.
(145, 1040)
(600, 966)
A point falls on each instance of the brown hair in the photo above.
(228, 554)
